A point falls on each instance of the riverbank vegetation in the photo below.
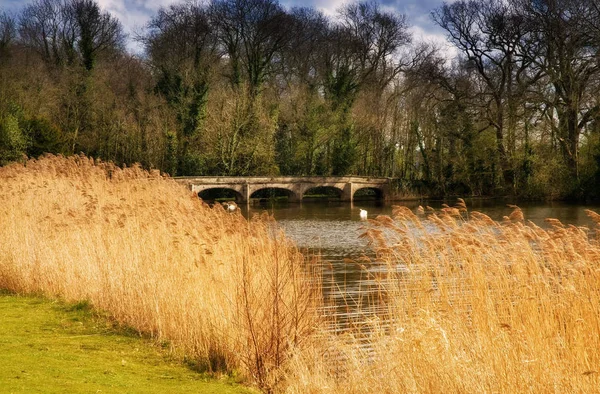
(464, 303)
(232, 294)
(249, 87)
(469, 306)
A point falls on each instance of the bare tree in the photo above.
(181, 37)
(40, 29)
(96, 31)
(362, 48)
(8, 34)
(252, 33)
(63, 31)
(560, 44)
(488, 34)
(377, 37)
(308, 30)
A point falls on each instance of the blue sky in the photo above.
(134, 14)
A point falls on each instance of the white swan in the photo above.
(229, 206)
(363, 214)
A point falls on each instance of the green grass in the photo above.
(53, 347)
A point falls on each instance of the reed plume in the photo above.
(232, 295)
(463, 303)
(469, 306)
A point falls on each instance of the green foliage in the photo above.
(22, 136)
(483, 169)
(342, 87)
(13, 141)
(197, 109)
(44, 137)
(344, 153)
(87, 15)
(286, 148)
(590, 167)
(188, 99)
(303, 136)
(551, 177)
(190, 164)
(171, 148)
(170, 85)
(593, 186)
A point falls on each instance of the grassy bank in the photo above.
(54, 347)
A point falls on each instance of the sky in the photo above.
(134, 14)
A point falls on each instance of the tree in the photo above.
(13, 142)
(300, 58)
(182, 50)
(8, 34)
(180, 38)
(94, 31)
(65, 31)
(252, 33)
(376, 36)
(360, 54)
(560, 43)
(41, 28)
(488, 34)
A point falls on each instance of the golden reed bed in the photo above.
(468, 305)
(143, 248)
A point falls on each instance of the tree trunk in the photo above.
(507, 172)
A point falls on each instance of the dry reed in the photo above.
(463, 306)
(228, 292)
(477, 307)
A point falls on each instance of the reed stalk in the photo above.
(229, 293)
(464, 303)
(478, 306)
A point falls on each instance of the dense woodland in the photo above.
(246, 87)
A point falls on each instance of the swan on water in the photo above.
(229, 206)
(363, 214)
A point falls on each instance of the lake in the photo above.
(332, 230)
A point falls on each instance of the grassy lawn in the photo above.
(53, 347)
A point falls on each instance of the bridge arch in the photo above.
(214, 193)
(326, 191)
(368, 193)
(269, 192)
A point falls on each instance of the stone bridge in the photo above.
(295, 187)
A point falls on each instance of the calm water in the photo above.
(332, 230)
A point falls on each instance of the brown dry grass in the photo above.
(468, 305)
(479, 307)
(229, 292)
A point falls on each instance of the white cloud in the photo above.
(330, 8)
(447, 50)
(134, 15)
